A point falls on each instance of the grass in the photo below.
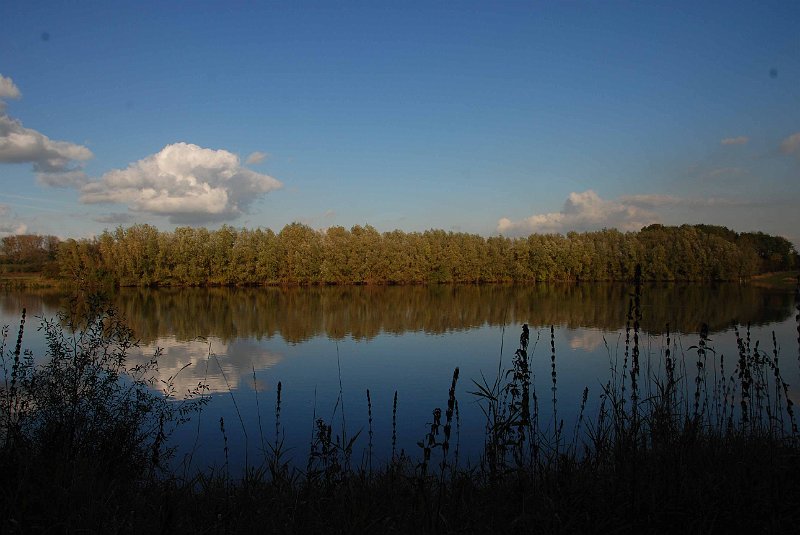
(683, 440)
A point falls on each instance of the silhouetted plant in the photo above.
(511, 424)
(81, 418)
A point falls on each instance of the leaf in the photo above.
(352, 441)
(484, 392)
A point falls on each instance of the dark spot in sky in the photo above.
(45, 36)
(129, 104)
(773, 73)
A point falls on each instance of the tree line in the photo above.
(30, 253)
(142, 255)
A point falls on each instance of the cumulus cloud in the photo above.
(9, 223)
(791, 145)
(587, 211)
(582, 212)
(740, 140)
(256, 158)
(8, 89)
(8, 228)
(22, 145)
(187, 183)
(57, 163)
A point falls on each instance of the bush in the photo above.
(83, 421)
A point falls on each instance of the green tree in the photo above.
(300, 253)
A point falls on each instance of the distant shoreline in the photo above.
(785, 280)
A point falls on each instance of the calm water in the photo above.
(241, 342)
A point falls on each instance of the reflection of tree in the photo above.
(362, 312)
(236, 359)
(36, 302)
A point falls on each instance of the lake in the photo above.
(321, 341)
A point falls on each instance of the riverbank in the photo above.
(30, 281)
(779, 279)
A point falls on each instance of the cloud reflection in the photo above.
(220, 365)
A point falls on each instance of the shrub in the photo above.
(83, 420)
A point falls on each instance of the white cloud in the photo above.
(582, 212)
(256, 158)
(8, 228)
(55, 162)
(187, 183)
(8, 222)
(791, 144)
(74, 178)
(740, 140)
(587, 211)
(8, 89)
(21, 145)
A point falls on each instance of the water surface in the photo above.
(322, 340)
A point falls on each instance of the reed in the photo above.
(448, 424)
(13, 404)
(797, 316)
(277, 464)
(636, 316)
(394, 428)
(369, 415)
(236, 408)
(554, 378)
(226, 466)
(258, 412)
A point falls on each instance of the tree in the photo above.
(300, 254)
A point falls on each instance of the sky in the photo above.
(482, 117)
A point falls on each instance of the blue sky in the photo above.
(482, 117)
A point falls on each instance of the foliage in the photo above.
(82, 419)
(29, 253)
(142, 256)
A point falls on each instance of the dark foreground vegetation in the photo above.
(142, 255)
(701, 443)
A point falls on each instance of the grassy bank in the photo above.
(699, 445)
(16, 281)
